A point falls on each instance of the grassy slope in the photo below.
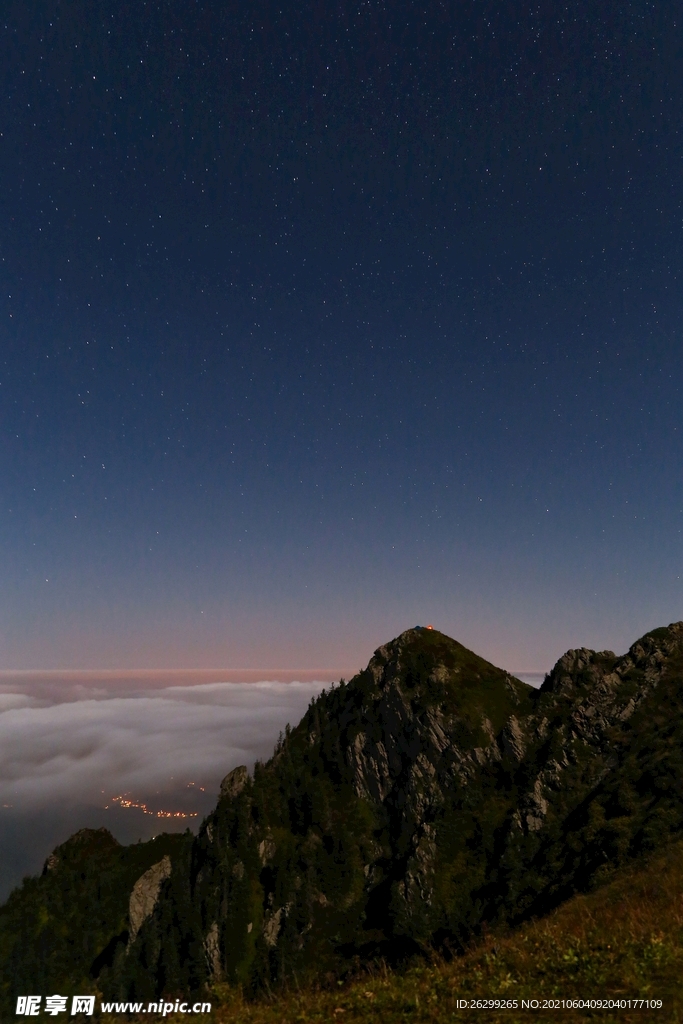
(623, 940)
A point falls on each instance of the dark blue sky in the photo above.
(321, 321)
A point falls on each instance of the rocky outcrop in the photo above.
(145, 894)
(514, 740)
(234, 782)
(212, 951)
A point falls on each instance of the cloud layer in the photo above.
(62, 763)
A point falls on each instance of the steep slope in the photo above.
(619, 944)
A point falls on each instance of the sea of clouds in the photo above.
(66, 752)
(69, 747)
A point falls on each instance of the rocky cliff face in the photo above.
(432, 793)
(145, 894)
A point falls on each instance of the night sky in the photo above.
(324, 320)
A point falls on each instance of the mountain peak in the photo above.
(432, 670)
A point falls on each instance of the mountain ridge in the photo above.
(432, 794)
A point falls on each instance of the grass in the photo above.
(623, 941)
